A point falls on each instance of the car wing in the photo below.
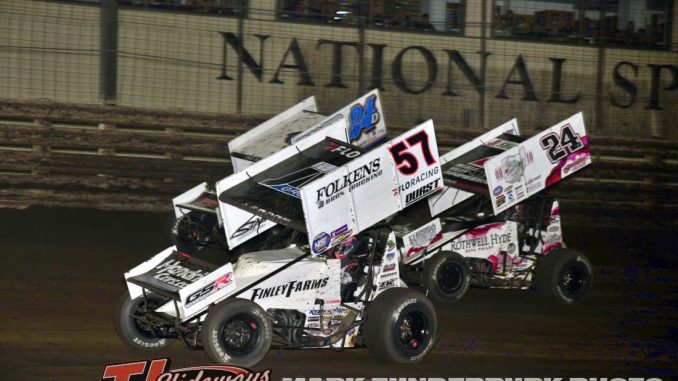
(273, 135)
(537, 163)
(332, 190)
(361, 123)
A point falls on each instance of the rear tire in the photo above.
(133, 332)
(447, 277)
(564, 276)
(401, 326)
(237, 332)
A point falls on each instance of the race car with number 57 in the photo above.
(327, 229)
(339, 288)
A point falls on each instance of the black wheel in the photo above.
(237, 332)
(565, 276)
(401, 326)
(447, 277)
(133, 331)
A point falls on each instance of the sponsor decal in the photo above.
(497, 190)
(423, 191)
(321, 242)
(480, 243)
(529, 158)
(388, 268)
(211, 288)
(390, 244)
(343, 150)
(388, 284)
(411, 183)
(499, 173)
(520, 192)
(513, 168)
(354, 179)
(389, 275)
(340, 235)
(390, 256)
(173, 273)
(253, 224)
(423, 237)
(159, 370)
(289, 288)
(575, 165)
(500, 200)
(363, 118)
(290, 183)
(511, 248)
(326, 312)
(533, 184)
(467, 172)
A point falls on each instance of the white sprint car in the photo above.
(339, 288)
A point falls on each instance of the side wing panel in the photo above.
(537, 163)
(371, 187)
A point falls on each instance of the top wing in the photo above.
(361, 123)
(274, 192)
(537, 163)
(273, 135)
(332, 190)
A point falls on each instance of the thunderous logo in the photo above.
(288, 288)
(352, 180)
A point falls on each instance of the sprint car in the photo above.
(321, 239)
(494, 220)
(337, 289)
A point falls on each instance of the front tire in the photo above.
(564, 276)
(447, 277)
(401, 326)
(237, 332)
(134, 332)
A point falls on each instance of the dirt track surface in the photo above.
(61, 277)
